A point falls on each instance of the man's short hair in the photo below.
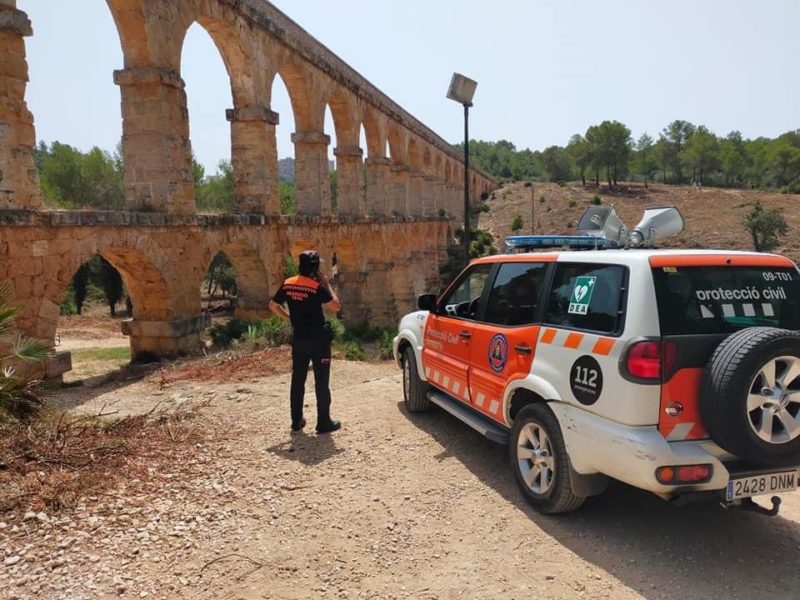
(309, 262)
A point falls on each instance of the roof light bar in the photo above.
(578, 242)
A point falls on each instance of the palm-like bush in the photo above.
(18, 398)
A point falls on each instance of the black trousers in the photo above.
(317, 351)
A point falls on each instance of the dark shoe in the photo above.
(329, 427)
(298, 426)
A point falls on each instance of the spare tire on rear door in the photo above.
(750, 401)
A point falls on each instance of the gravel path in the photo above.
(392, 506)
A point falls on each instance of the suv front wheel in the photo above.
(539, 459)
(415, 391)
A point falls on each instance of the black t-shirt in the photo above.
(305, 297)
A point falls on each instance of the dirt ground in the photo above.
(392, 506)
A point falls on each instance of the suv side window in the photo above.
(515, 294)
(587, 296)
(463, 299)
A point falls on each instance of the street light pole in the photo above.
(462, 89)
(466, 237)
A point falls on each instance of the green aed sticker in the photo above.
(581, 295)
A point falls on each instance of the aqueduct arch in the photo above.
(393, 207)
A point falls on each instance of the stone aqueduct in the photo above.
(394, 214)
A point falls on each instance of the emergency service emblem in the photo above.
(581, 295)
(498, 352)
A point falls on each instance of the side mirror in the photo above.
(427, 302)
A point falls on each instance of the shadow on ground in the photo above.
(307, 449)
(656, 548)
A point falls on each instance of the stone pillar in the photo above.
(428, 209)
(418, 283)
(451, 193)
(155, 141)
(377, 181)
(349, 181)
(458, 211)
(440, 204)
(19, 179)
(254, 157)
(380, 299)
(351, 287)
(165, 339)
(398, 189)
(416, 180)
(405, 299)
(311, 179)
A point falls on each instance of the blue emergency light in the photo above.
(526, 243)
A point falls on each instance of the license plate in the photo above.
(754, 485)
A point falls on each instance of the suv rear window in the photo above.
(725, 299)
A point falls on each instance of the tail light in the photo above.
(684, 474)
(650, 359)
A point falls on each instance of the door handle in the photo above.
(522, 348)
(465, 334)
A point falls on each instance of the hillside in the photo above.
(714, 217)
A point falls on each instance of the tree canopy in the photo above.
(683, 153)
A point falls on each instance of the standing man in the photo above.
(305, 295)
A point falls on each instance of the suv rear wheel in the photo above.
(751, 395)
(539, 459)
(415, 391)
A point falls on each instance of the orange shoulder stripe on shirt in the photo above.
(302, 280)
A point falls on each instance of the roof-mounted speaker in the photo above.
(657, 223)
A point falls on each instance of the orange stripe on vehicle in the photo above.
(683, 387)
(603, 346)
(573, 340)
(548, 336)
(720, 260)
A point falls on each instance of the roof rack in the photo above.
(530, 243)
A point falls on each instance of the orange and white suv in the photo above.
(675, 371)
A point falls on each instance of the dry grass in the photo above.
(51, 463)
(232, 365)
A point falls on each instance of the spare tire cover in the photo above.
(750, 400)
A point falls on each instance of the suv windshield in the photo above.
(726, 299)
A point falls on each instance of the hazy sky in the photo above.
(546, 69)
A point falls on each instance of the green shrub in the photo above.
(338, 330)
(572, 204)
(224, 335)
(68, 306)
(19, 399)
(542, 199)
(528, 183)
(274, 331)
(597, 199)
(353, 350)
(386, 344)
(516, 224)
(792, 188)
